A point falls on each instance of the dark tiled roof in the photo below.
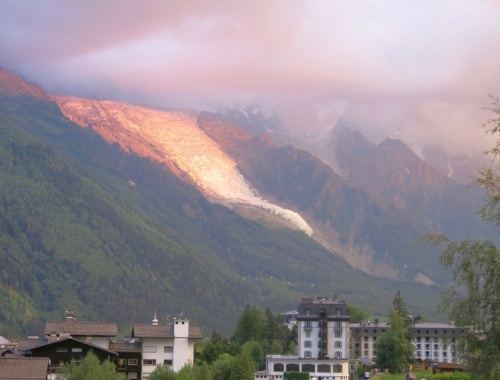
(82, 328)
(17, 368)
(93, 346)
(162, 331)
(311, 307)
(24, 344)
(125, 347)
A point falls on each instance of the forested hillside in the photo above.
(76, 234)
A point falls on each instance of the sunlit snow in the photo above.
(175, 139)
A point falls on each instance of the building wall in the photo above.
(183, 353)
(309, 339)
(432, 341)
(156, 351)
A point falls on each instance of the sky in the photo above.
(416, 70)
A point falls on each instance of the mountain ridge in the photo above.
(250, 260)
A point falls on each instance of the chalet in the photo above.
(171, 344)
(96, 333)
(129, 360)
(68, 349)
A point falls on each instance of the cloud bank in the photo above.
(420, 71)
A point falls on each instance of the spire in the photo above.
(155, 320)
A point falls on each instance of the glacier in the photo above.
(174, 138)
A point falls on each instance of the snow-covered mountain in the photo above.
(174, 139)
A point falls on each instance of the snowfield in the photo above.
(174, 139)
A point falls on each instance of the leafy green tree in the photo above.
(394, 349)
(295, 375)
(243, 367)
(217, 346)
(473, 302)
(256, 351)
(251, 325)
(163, 372)
(357, 315)
(221, 368)
(202, 372)
(89, 368)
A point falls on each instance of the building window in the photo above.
(149, 362)
(307, 344)
(308, 325)
(337, 368)
(279, 367)
(133, 362)
(121, 362)
(76, 349)
(324, 368)
(167, 361)
(168, 349)
(308, 368)
(151, 349)
(308, 334)
(338, 344)
(308, 311)
(307, 354)
(338, 325)
(61, 349)
(337, 312)
(338, 333)
(338, 354)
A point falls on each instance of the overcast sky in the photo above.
(416, 69)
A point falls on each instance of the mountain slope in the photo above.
(76, 233)
(391, 171)
(370, 234)
(172, 138)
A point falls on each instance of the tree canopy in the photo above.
(474, 299)
(89, 368)
(394, 349)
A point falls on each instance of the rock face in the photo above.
(174, 139)
(14, 85)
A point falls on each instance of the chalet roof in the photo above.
(310, 308)
(21, 368)
(125, 347)
(24, 344)
(73, 327)
(449, 366)
(4, 341)
(162, 331)
(62, 341)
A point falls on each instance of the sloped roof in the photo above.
(61, 341)
(4, 341)
(125, 347)
(162, 331)
(81, 328)
(21, 368)
(24, 344)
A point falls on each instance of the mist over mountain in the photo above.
(199, 212)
